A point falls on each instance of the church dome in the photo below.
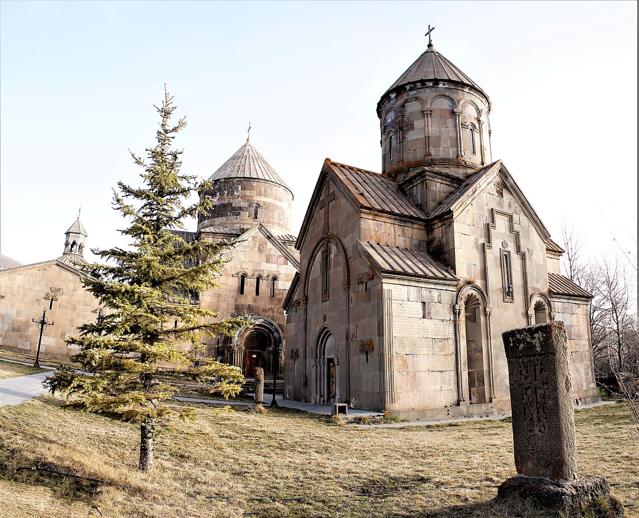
(436, 116)
(432, 66)
(247, 162)
(246, 191)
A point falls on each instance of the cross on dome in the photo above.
(430, 41)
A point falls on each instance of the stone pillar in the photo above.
(544, 426)
(258, 404)
(458, 114)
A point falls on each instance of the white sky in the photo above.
(78, 81)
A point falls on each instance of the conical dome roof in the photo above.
(247, 162)
(432, 66)
(77, 228)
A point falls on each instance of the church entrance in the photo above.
(474, 350)
(326, 370)
(257, 353)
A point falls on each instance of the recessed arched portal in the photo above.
(326, 369)
(474, 350)
(256, 352)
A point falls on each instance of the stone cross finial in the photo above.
(430, 41)
(248, 132)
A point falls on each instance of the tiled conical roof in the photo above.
(246, 162)
(77, 228)
(431, 66)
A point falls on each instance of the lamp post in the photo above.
(42, 322)
(276, 364)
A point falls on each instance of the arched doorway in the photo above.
(257, 352)
(326, 366)
(474, 349)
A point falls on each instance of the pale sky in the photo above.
(79, 79)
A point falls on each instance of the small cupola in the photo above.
(75, 238)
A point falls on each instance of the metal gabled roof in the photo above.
(405, 261)
(560, 285)
(247, 162)
(374, 191)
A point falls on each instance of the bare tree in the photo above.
(572, 258)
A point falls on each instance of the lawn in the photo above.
(235, 463)
(12, 370)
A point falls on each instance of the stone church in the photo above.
(408, 278)
(252, 211)
(55, 286)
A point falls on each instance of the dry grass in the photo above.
(282, 464)
(13, 370)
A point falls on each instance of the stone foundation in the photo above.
(588, 496)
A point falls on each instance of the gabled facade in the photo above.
(408, 278)
(53, 286)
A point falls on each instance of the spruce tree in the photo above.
(146, 339)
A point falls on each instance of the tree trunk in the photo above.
(147, 432)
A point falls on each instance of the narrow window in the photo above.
(257, 285)
(273, 282)
(256, 211)
(73, 247)
(472, 140)
(242, 283)
(325, 266)
(507, 275)
(424, 310)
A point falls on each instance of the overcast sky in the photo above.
(79, 80)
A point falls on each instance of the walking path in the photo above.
(14, 391)
(283, 403)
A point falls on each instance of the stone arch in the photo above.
(253, 346)
(318, 246)
(444, 127)
(474, 363)
(539, 304)
(326, 366)
(414, 146)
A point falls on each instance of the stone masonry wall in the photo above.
(24, 289)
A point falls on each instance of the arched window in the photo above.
(74, 247)
(242, 283)
(257, 285)
(273, 282)
(541, 313)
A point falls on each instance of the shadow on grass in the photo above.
(15, 467)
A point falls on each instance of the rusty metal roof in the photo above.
(373, 191)
(554, 247)
(560, 285)
(432, 66)
(247, 162)
(404, 261)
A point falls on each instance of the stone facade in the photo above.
(408, 279)
(26, 291)
(252, 210)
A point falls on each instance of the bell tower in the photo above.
(75, 239)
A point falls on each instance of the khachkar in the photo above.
(544, 428)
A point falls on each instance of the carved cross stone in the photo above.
(544, 429)
(324, 204)
(542, 407)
